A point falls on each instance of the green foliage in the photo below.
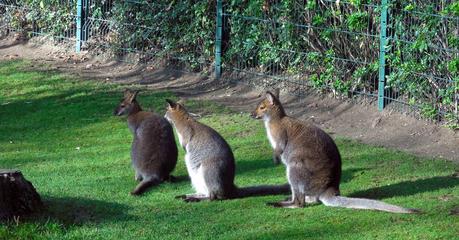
(53, 17)
(423, 57)
(182, 30)
(452, 9)
(358, 21)
(304, 38)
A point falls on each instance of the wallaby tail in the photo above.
(144, 185)
(362, 203)
(263, 190)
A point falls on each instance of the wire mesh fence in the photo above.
(148, 30)
(33, 18)
(403, 55)
(405, 58)
(299, 48)
(423, 56)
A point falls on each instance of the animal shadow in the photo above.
(408, 188)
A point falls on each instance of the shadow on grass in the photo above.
(348, 174)
(244, 166)
(408, 188)
(78, 211)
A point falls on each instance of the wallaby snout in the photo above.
(118, 111)
(127, 104)
(254, 115)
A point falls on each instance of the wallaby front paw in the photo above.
(276, 159)
(138, 177)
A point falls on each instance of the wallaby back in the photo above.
(154, 151)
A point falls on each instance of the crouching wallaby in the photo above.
(154, 151)
(209, 160)
(312, 160)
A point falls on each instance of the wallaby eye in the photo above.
(262, 107)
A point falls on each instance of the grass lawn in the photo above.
(59, 130)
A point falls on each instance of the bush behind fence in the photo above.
(322, 44)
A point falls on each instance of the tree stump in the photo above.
(18, 197)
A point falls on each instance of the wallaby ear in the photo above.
(270, 96)
(133, 95)
(277, 92)
(181, 101)
(127, 93)
(171, 104)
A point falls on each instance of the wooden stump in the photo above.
(18, 197)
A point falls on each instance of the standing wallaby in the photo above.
(312, 159)
(209, 160)
(154, 151)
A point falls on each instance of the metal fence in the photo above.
(29, 18)
(404, 55)
(303, 64)
(401, 54)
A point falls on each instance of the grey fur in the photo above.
(208, 153)
(154, 151)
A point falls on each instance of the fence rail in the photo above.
(402, 54)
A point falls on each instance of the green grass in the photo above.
(45, 116)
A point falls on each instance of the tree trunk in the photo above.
(17, 195)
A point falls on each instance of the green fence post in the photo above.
(382, 54)
(79, 24)
(81, 17)
(218, 40)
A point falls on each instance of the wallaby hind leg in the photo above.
(215, 184)
(195, 197)
(144, 185)
(309, 200)
(297, 200)
(286, 201)
(312, 200)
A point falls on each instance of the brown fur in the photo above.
(312, 159)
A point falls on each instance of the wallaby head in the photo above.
(269, 107)
(128, 104)
(176, 112)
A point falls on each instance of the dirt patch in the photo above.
(340, 117)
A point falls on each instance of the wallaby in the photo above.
(209, 160)
(312, 160)
(154, 151)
